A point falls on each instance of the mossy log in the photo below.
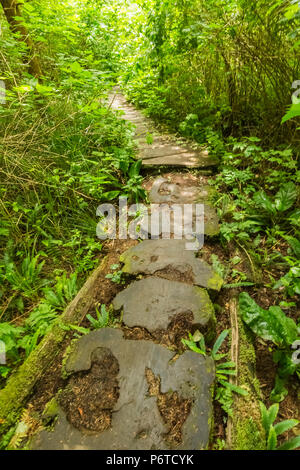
(20, 385)
(244, 430)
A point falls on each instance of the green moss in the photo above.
(20, 384)
(51, 411)
(248, 435)
(212, 193)
(215, 282)
(70, 349)
(248, 432)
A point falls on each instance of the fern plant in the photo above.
(224, 387)
(102, 320)
(273, 431)
(27, 278)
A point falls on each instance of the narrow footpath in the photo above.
(137, 393)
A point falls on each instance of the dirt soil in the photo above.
(106, 290)
(90, 397)
(179, 328)
(173, 409)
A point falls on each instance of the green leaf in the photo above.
(110, 195)
(291, 11)
(286, 425)
(219, 342)
(262, 200)
(272, 413)
(264, 417)
(149, 139)
(272, 439)
(135, 169)
(44, 90)
(294, 244)
(291, 444)
(271, 325)
(234, 388)
(227, 365)
(193, 347)
(286, 197)
(279, 392)
(294, 111)
(226, 372)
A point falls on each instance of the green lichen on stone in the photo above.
(125, 258)
(67, 355)
(215, 282)
(211, 194)
(208, 308)
(51, 411)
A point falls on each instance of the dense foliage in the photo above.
(61, 152)
(213, 66)
(225, 74)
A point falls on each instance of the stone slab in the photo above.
(136, 420)
(171, 260)
(164, 191)
(153, 303)
(168, 220)
(162, 150)
(187, 159)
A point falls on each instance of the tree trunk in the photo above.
(12, 10)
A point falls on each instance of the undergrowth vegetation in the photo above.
(62, 152)
(225, 74)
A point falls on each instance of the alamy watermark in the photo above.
(2, 353)
(296, 94)
(2, 92)
(137, 221)
(296, 354)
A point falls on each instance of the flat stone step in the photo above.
(160, 153)
(154, 303)
(161, 150)
(170, 259)
(168, 221)
(131, 395)
(187, 159)
(179, 190)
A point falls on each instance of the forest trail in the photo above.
(136, 392)
(154, 148)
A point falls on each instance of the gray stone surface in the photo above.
(153, 302)
(165, 220)
(170, 259)
(186, 159)
(162, 152)
(162, 149)
(136, 421)
(164, 191)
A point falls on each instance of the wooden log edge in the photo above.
(21, 383)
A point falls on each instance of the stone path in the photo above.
(164, 150)
(131, 393)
